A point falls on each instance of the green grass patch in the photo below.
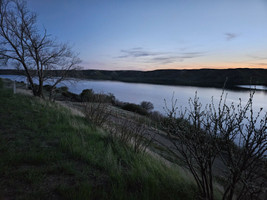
(1, 83)
(48, 153)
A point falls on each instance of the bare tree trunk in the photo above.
(30, 80)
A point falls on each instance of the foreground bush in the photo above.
(235, 135)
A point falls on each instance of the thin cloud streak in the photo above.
(230, 36)
(159, 57)
(258, 57)
(136, 52)
(177, 58)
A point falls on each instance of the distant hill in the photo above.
(201, 77)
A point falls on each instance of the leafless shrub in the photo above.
(194, 147)
(142, 136)
(233, 135)
(244, 138)
(156, 116)
(97, 111)
(134, 132)
(120, 130)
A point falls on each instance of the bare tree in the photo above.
(229, 134)
(31, 49)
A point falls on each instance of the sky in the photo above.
(159, 34)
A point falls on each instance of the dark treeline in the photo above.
(202, 77)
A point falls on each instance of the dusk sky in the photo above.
(159, 34)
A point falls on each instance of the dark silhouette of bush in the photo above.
(47, 87)
(135, 108)
(147, 105)
(62, 89)
(156, 116)
(71, 96)
(58, 90)
(111, 98)
(87, 95)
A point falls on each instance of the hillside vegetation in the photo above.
(48, 153)
(202, 77)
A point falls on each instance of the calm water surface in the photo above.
(138, 92)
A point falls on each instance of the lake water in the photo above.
(138, 92)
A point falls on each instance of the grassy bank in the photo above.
(48, 153)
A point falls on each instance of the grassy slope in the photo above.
(47, 153)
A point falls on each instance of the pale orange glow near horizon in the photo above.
(207, 66)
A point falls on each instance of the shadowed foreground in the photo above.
(48, 153)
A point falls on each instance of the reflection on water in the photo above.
(254, 87)
(137, 92)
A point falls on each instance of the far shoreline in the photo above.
(232, 88)
(211, 78)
